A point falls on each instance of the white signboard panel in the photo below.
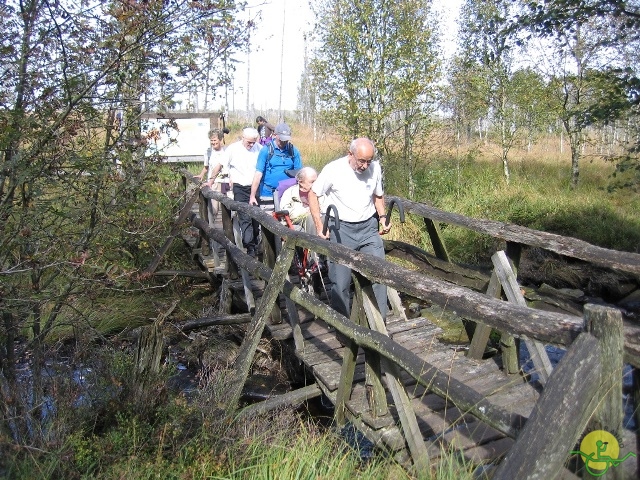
(188, 140)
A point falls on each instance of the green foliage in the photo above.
(539, 198)
(375, 68)
(82, 208)
(596, 75)
(198, 439)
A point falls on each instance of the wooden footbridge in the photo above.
(398, 382)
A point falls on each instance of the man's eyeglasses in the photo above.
(361, 162)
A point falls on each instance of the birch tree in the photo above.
(591, 66)
(375, 71)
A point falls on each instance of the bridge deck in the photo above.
(441, 423)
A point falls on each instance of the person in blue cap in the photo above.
(274, 160)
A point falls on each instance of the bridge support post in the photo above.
(269, 258)
(507, 277)
(606, 325)
(373, 372)
(410, 427)
(482, 332)
(254, 332)
(347, 371)
(227, 227)
(585, 389)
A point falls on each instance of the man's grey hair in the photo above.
(355, 141)
(305, 172)
(250, 133)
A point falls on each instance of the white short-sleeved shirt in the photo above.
(350, 192)
(242, 162)
(217, 157)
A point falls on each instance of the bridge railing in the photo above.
(367, 331)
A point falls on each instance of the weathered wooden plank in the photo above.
(316, 357)
(422, 341)
(427, 331)
(347, 370)
(512, 291)
(572, 247)
(181, 273)
(329, 374)
(396, 303)
(520, 398)
(606, 325)
(474, 279)
(396, 328)
(482, 332)
(289, 399)
(433, 424)
(437, 243)
(234, 319)
(322, 343)
(569, 398)
(403, 406)
(256, 327)
(489, 451)
(389, 438)
(471, 435)
(358, 405)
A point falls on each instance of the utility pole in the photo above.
(248, 70)
(284, 11)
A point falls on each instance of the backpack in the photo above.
(288, 153)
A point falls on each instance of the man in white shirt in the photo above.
(216, 167)
(354, 185)
(243, 156)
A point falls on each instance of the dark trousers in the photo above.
(249, 228)
(363, 237)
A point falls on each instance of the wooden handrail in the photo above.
(544, 326)
(567, 246)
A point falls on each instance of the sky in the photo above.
(269, 53)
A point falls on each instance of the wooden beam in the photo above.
(605, 324)
(482, 332)
(236, 319)
(571, 247)
(289, 399)
(376, 394)
(568, 400)
(436, 240)
(251, 339)
(410, 427)
(507, 278)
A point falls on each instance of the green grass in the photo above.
(198, 439)
(538, 196)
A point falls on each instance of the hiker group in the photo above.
(263, 159)
(251, 169)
